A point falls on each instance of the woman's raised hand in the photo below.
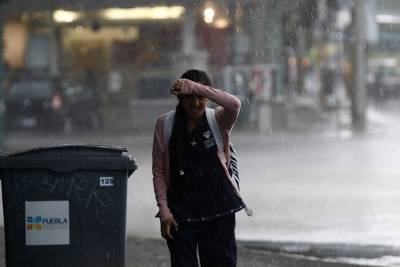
(176, 87)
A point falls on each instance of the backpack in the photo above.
(212, 122)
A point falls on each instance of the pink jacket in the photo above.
(226, 114)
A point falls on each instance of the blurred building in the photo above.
(131, 51)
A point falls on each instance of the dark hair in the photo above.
(179, 131)
(197, 76)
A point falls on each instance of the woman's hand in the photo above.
(176, 87)
(167, 226)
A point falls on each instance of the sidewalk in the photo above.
(154, 253)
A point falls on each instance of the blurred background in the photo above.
(317, 137)
(120, 56)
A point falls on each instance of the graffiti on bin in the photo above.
(77, 187)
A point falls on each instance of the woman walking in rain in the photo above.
(196, 195)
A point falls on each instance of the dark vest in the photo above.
(199, 189)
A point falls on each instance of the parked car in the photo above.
(51, 104)
(383, 79)
(83, 105)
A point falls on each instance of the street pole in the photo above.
(189, 56)
(360, 95)
(276, 53)
(232, 45)
(188, 31)
(54, 47)
(266, 20)
(322, 34)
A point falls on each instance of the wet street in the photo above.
(323, 189)
(329, 187)
(326, 185)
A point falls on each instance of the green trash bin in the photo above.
(65, 206)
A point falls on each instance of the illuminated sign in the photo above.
(144, 13)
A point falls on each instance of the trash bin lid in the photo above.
(68, 158)
(76, 150)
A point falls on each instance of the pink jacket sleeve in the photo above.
(229, 105)
(160, 170)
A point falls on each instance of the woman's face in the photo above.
(194, 105)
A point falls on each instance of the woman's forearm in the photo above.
(220, 97)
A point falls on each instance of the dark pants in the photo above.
(215, 241)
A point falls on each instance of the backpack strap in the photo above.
(212, 121)
(168, 123)
(233, 165)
